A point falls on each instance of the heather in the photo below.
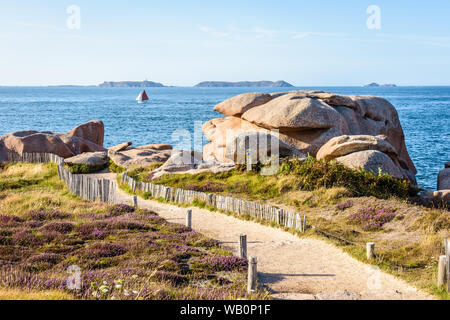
(372, 218)
(130, 256)
(122, 252)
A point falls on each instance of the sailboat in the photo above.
(142, 97)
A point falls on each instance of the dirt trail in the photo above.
(290, 267)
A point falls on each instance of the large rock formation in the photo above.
(80, 139)
(307, 120)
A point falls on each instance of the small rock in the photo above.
(372, 160)
(120, 147)
(443, 182)
(89, 158)
(156, 147)
(346, 144)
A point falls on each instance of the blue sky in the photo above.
(306, 43)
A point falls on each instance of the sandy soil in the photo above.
(290, 267)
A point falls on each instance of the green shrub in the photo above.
(84, 168)
(314, 174)
(115, 168)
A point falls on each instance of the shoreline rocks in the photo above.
(120, 147)
(443, 180)
(79, 140)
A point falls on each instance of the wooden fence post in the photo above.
(370, 250)
(252, 283)
(189, 218)
(135, 201)
(442, 271)
(447, 256)
(243, 246)
(304, 223)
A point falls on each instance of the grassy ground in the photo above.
(349, 213)
(122, 253)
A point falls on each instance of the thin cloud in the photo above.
(302, 35)
(435, 41)
(258, 32)
(213, 32)
(261, 32)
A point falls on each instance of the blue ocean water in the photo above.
(424, 114)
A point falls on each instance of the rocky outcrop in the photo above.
(65, 145)
(93, 131)
(3, 152)
(239, 104)
(437, 199)
(156, 147)
(89, 158)
(344, 145)
(120, 147)
(443, 182)
(190, 162)
(139, 157)
(232, 135)
(307, 120)
(372, 160)
(367, 152)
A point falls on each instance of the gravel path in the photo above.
(290, 267)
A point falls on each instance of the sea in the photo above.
(172, 113)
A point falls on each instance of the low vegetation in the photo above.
(84, 168)
(294, 175)
(121, 252)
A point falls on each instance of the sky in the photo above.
(307, 43)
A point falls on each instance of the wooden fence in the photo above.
(92, 189)
(240, 207)
(35, 158)
(87, 188)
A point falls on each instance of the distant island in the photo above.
(131, 84)
(218, 84)
(374, 84)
